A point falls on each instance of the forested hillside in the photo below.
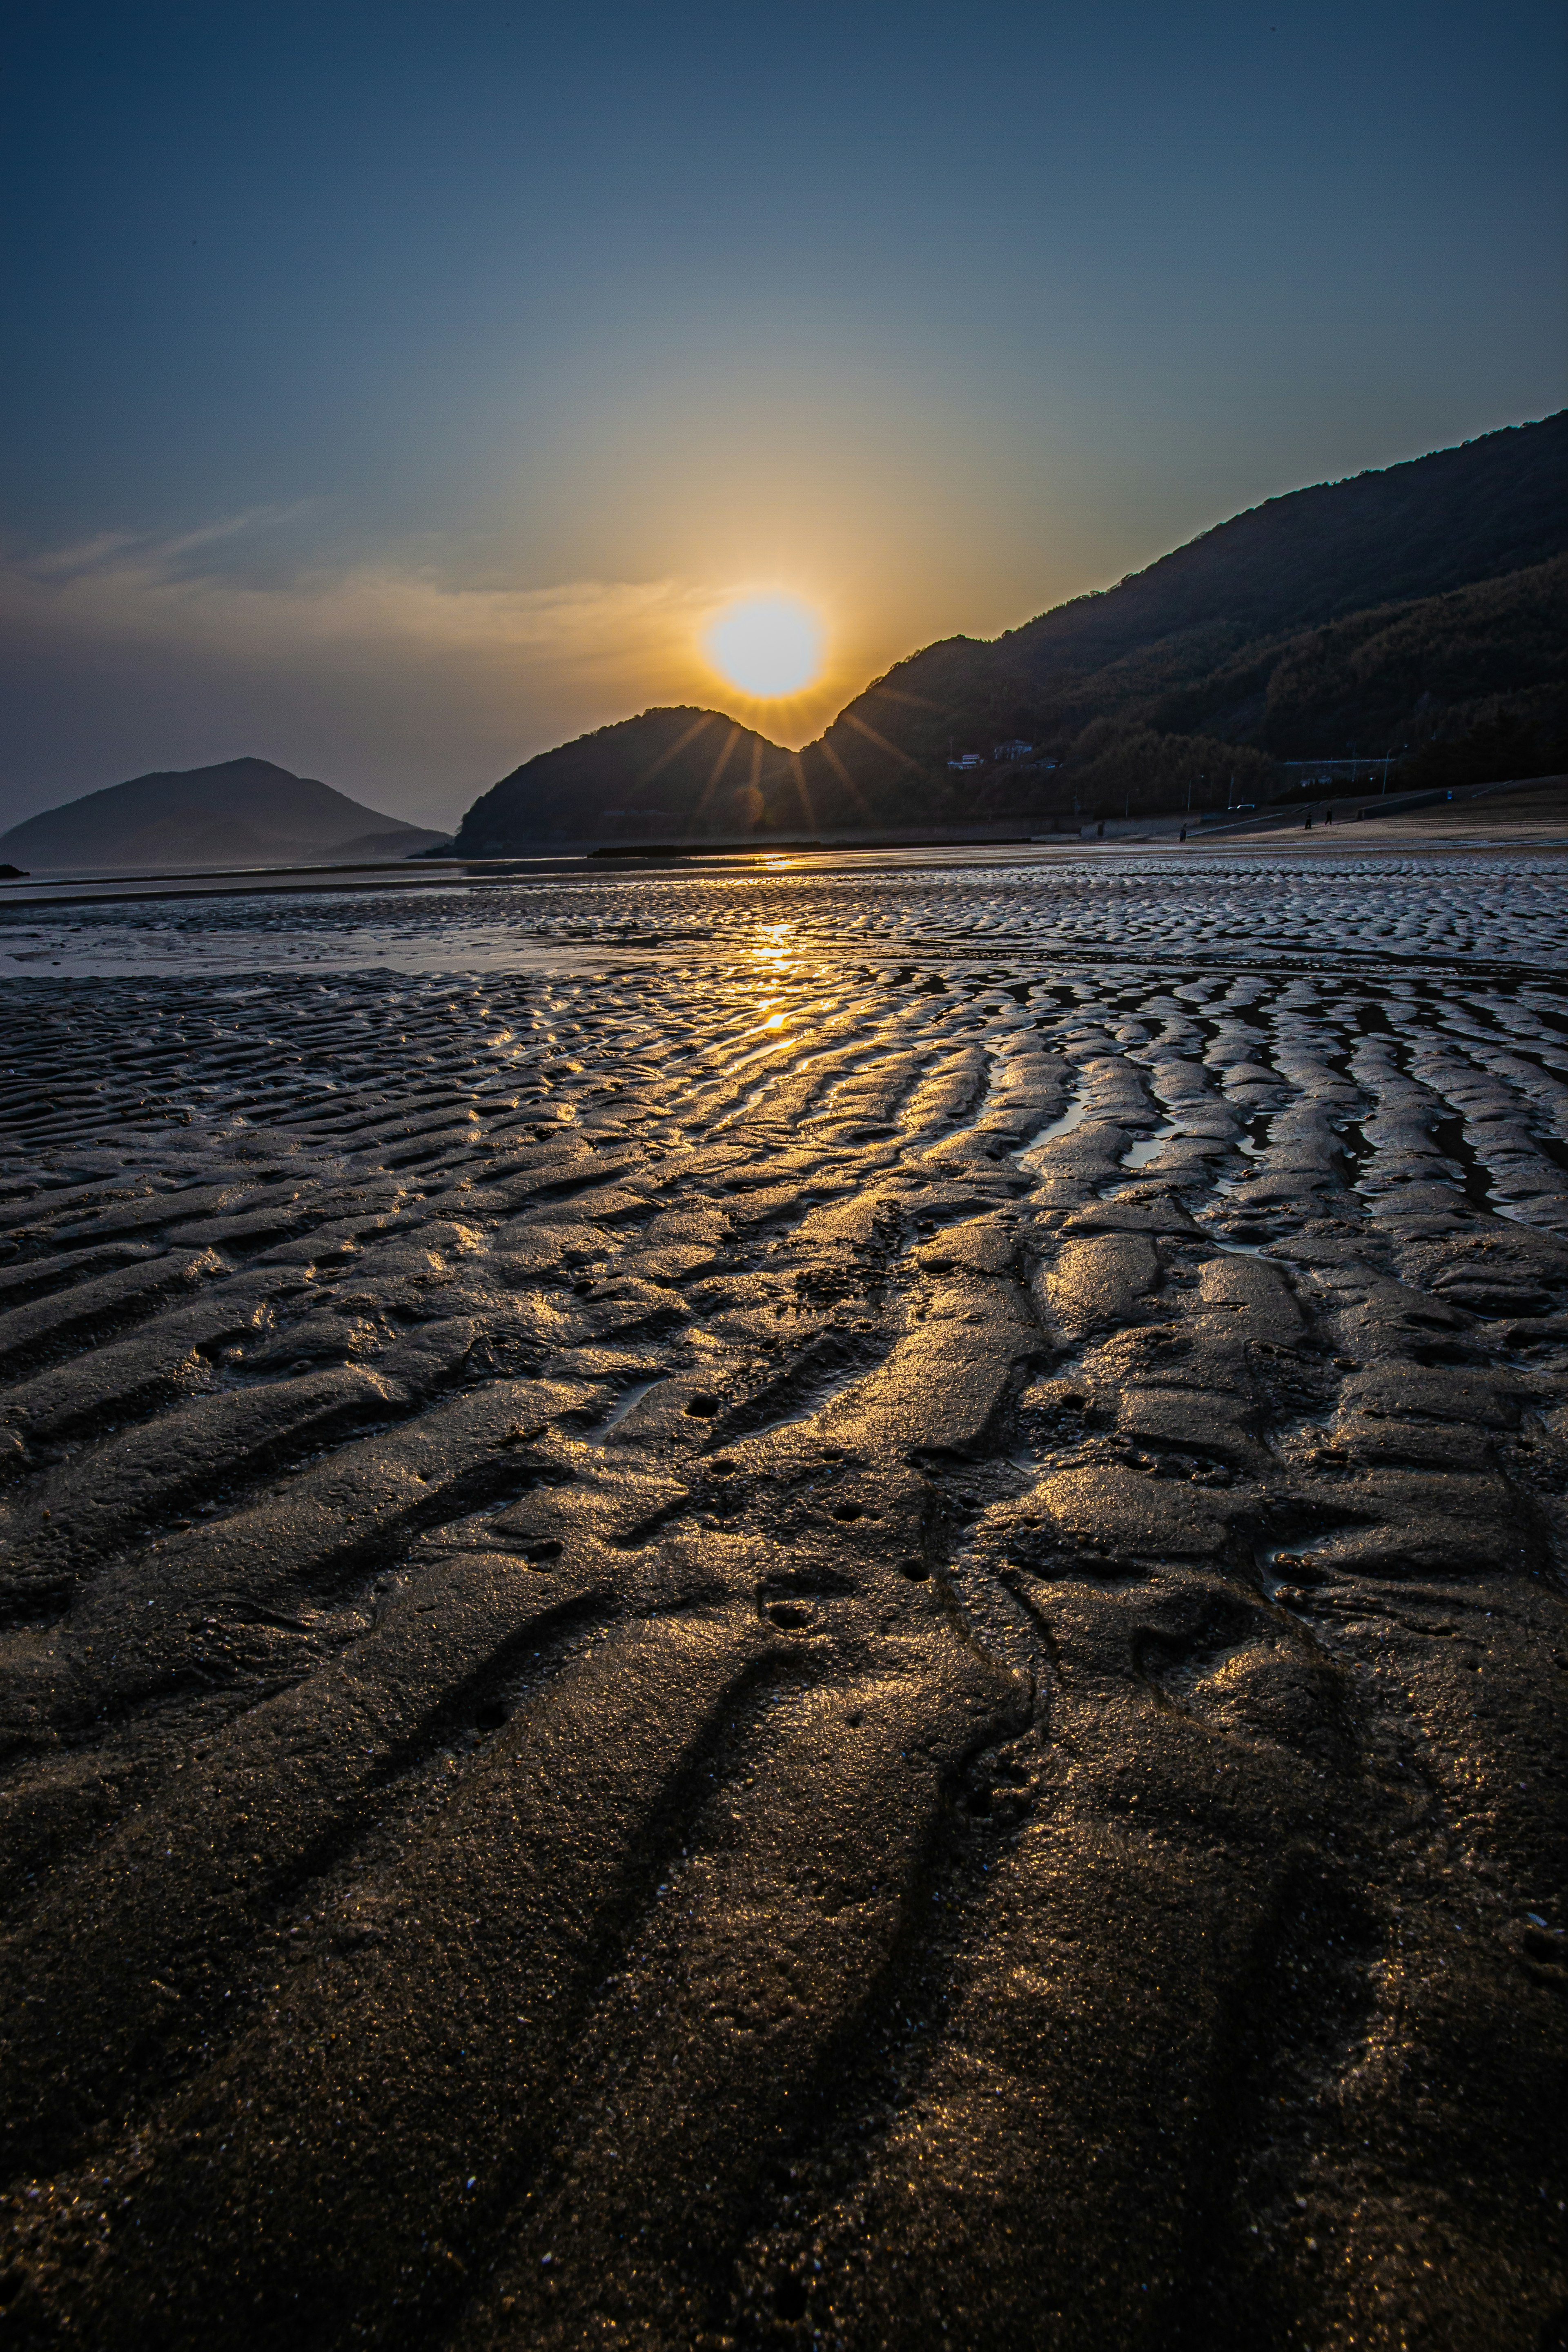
(1495, 505)
(1421, 612)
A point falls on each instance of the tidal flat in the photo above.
(815, 1604)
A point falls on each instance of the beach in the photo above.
(819, 1601)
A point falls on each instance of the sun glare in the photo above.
(766, 646)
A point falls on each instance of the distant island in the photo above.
(239, 812)
(1418, 615)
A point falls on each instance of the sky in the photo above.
(395, 390)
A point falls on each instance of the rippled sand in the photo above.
(809, 1607)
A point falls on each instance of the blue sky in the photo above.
(391, 391)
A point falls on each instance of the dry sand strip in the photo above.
(1533, 817)
(853, 1638)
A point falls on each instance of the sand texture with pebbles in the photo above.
(814, 1606)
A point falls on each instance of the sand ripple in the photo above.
(751, 1610)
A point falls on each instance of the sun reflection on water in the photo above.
(773, 944)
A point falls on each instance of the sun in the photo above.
(766, 646)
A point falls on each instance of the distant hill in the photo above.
(241, 813)
(1422, 609)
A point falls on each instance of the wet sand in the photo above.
(809, 1607)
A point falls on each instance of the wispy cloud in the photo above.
(410, 686)
(161, 590)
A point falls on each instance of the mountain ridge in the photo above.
(1428, 601)
(1498, 497)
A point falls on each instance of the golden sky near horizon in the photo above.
(395, 394)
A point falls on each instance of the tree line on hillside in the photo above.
(1420, 614)
(1399, 675)
(1490, 506)
(1484, 667)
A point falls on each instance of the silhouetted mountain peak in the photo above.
(671, 771)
